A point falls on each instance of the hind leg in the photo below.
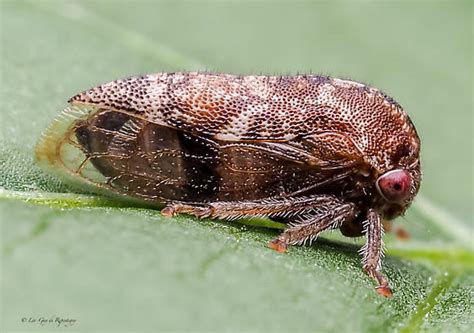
(277, 207)
(316, 214)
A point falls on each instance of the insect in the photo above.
(315, 152)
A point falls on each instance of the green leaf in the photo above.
(113, 265)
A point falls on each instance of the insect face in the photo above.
(398, 188)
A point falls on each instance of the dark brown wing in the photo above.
(135, 157)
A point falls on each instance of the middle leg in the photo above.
(309, 228)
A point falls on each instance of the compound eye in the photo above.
(394, 185)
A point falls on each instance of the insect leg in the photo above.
(330, 216)
(276, 207)
(372, 252)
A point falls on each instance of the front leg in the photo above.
(372, 252)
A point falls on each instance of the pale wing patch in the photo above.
(58, 149)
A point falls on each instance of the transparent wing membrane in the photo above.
(60, 151)
(124, 154)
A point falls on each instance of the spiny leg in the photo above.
(276, 207)
(372, 252)
(329, 216)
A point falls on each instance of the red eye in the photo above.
(394, 185)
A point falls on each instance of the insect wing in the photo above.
(125, 154)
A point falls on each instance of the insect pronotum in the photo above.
(316, 152)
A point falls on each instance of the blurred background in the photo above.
(111, 267)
